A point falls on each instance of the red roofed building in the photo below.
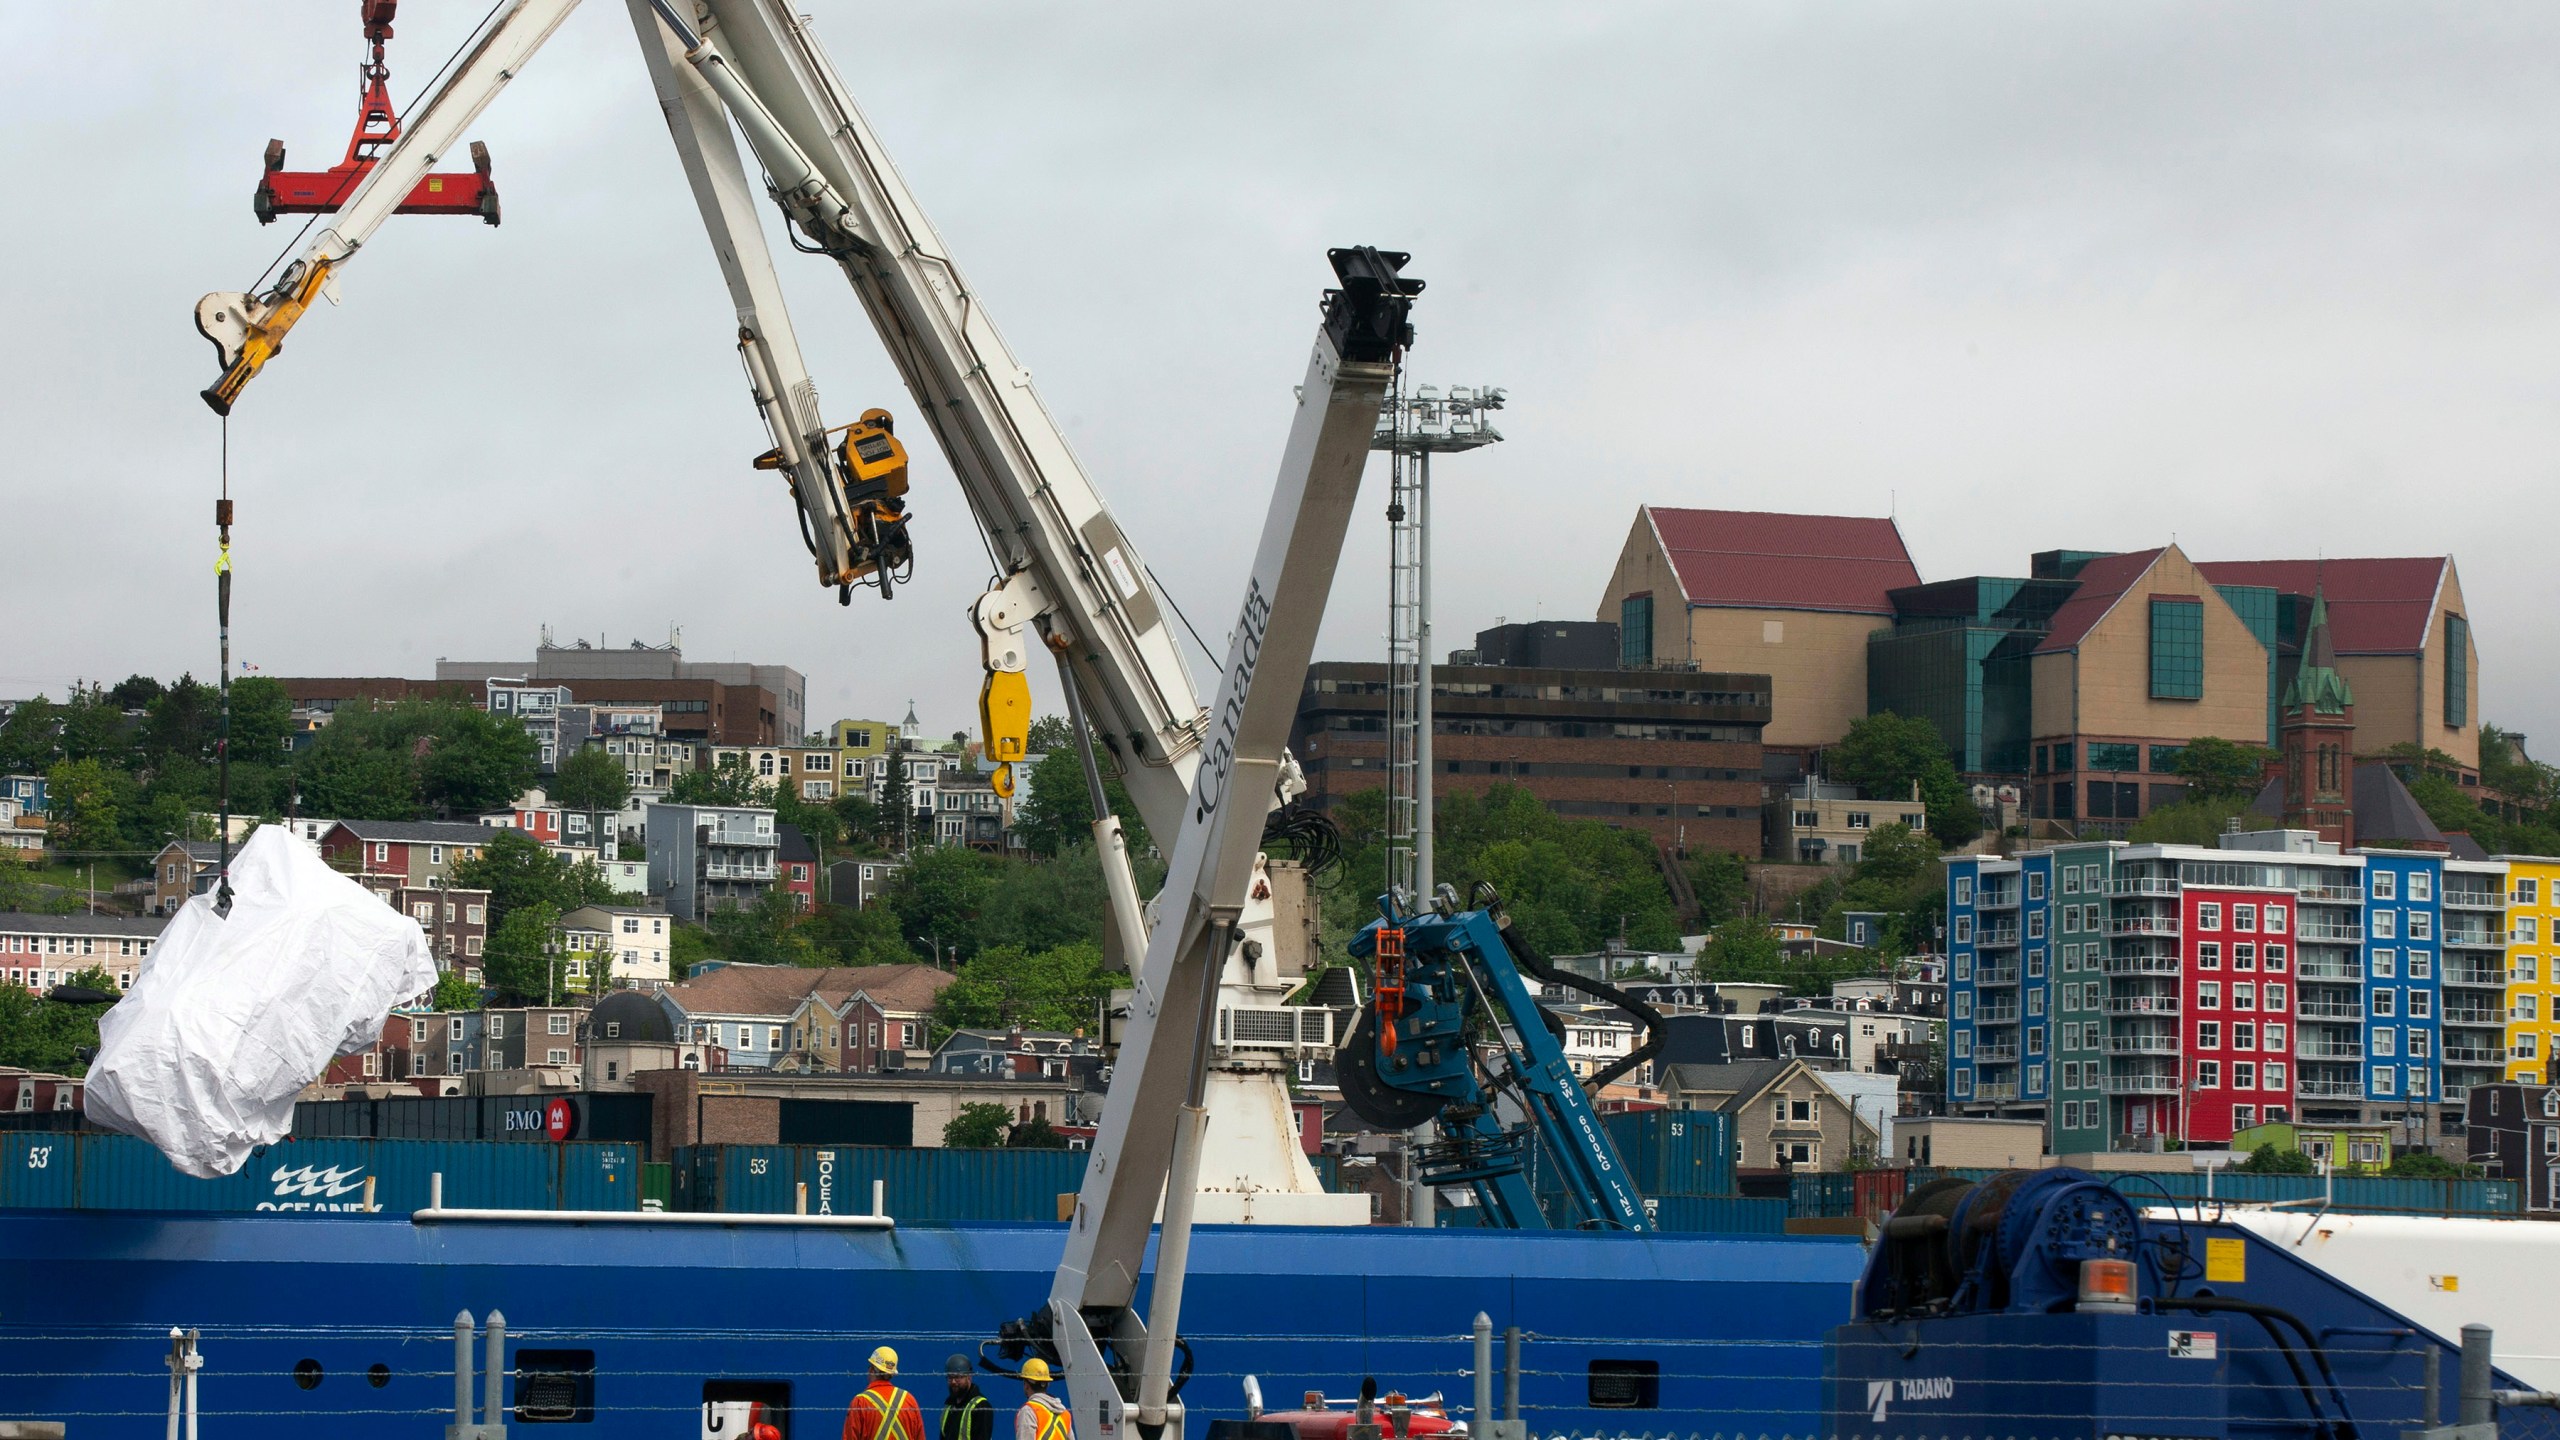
(1793, 597)
(2144, 656)
(2402, 634)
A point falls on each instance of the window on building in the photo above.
(2523, 1048)
(2422, 964)
(2177, 647)
(2385, 964)
(2420, 1043)
(2274, 1037)
(2209, 955)
(2209, 1035)
(2527, 930)
(2526, 1007)
(2386, 1002)
(2119, 758)
(2243, 1117)
(2244, 956)
(556, 1057)
(1635, 630)
(2244, 996)
(2384, 1041)
(2244, 1075)
(2385, 885)
(2244, 1036)
(559, 1024)
(2385, 1080)
(2209, 996)
(2422, 925)
(2457, 671)
(1964, 890)
(2208, 916)
(2386, 925)
(2208, 1074)
(2525, 968)
(2271, 1077)
(2275, 959)
(2244, 917)
(2273, 994)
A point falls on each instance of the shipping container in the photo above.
(846, 1122)
(119, 1172)
(1675, 1152)
(1717, 1215)
(1822, 1195)
(525, 1118)
(657, 1185)
(600, 1176)
(737, 1179)
(38, 1170)
(451, 1118)
(1875, 1194)
(941, 1185)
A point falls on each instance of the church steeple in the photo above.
(2316, 726)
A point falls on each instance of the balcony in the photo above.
(2311, 1047)
(2142, 1044)
(2331, 894)
(2327, 1009)
(1996, 1054)
(2486, 977)
(2474, 938)
(2325, 969)
(2475, 1054)
(2475, 1015)
(2004, 937)
(1996, 975)
(1995, 900)
(2167, 889)
(1992, 1094)
(2316, 931)
(1996, 1015)
(2474, 900)
(2311, 1089)
(2140, 964)
(2144, 925)
(2140, 1084)
(2140, 1005)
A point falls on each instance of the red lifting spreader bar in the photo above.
(319, 192)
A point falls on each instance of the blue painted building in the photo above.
(27, 790)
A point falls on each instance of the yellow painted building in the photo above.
(859, 743)
(2533, 915)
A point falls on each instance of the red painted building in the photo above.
(796, 867)
(2236, 993)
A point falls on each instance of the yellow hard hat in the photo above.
(1036, 1368)
(885, 1360)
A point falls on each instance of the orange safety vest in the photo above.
(892, 1406)
(1053, 1422)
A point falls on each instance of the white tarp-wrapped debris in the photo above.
(232, 1016)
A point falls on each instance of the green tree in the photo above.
(454, 992)
(1035, 1133)
(727, 782)
(863, 825)
(134, 692)
(341, 775)
(2219, 769)
(1058, 814)
(87, 802)
(94, 728)
(27, 740)
(21, 894)
(523, 962)
(1049, 732)
(519, 873)
(476, 762)
(592, 780)
(2195, 822)
(938, 896)
(1744, 950)
(1062, 902)
(181, 722)
(1722, 883)
(897, 801)
(2426, 1165)
(764, 933)
(845, 935)
(2268, 1160)
(1060, 989)
(261, 719)
(688, 945)
(40, 1034)
(980, 1125)
(1884, 754)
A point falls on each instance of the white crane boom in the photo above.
(1202, 780)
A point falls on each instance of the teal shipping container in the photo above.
(120, 1172)
(1675, 1152)
(939, 1186)
(603, 1176)
(1826, 1196)
(738, 1179)
(38, 1170)
(1717, 1215)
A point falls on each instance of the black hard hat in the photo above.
(956, 1367)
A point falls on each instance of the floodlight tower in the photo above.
(1411, 429)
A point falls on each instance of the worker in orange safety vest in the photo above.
(882, 1411)
(1043, 1416)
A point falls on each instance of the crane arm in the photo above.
(249, 329)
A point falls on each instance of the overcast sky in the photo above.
(2269, 280)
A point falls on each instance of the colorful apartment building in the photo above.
(2533, 990)
(2129, 995)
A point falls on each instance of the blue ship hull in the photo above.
(1733, 1326)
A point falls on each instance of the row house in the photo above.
(458, 1042)
(1015, 1054)
(547, 713)
(29, 1092)
(38, 952)
(855, 883)
(414, 852)
(876, 1027)
(629, 944)
(182, 869)
(18, 829)
(455, 920)
(534, 815)
(749, 1011)
(26, 790)
(796, 867)
(810, 771)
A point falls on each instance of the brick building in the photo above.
(38, 952)
(1675, 754)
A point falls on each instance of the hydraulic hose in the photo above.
(1527, 958)
(2271, 1316)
